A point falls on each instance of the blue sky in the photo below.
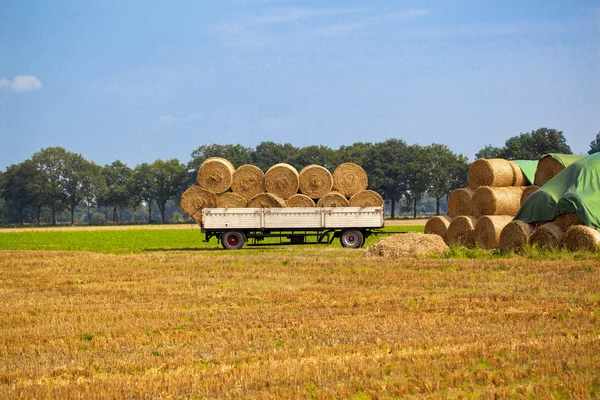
(141, 80)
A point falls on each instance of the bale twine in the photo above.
(547, 168)
(519, 178)
(438, 226)
(460, 202)
(461, 231)
(349, 179)
(489, 200)
(529, 190)
(333, 199)
(215, 174)
(231, 200)
(515, 236)
(248, 181)
(300, 200)
(490, 172)
(581, 237)
(315, 181)
(194, 199)
(282, 180)
(488, 229)
(366, 198)
(547, 236)
(266, 200)
(567, 220)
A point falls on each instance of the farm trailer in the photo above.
(234, 227)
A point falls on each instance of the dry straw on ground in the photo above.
(519, 178)
(300, 200)
(366, 198)
(567, 220)
(547, 168)
(515, 236)
(315, 181)
(407, 245)
(215, 175)
(231, 200)
(490, 172)
(581, 237)
(460, 202)
(438, 226)
(248, 181)
(489, 200)
(349, 179)
(488, 229)
(266, 200)
(547, 236)
(333, 199)
(461, 231)
(529, 190)
(194, 199)
(282, 180)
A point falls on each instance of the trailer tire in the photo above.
(233, 240)
(352, 239)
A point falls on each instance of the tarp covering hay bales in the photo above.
(407, 245)
(315, 181)
(551, 164)
(282, 180)
(231, 200)
(194, 199)
(495, 172)
(349, 179)
(547, 236)
(300, 200)
(461, 231)
(529, 190)
(460, 202)
(581, 237)
(266, 200)
(489, 200)
(488, 229)
(248, 181)
(215, 175)
(333, 199)
(366, 198)
(515, 236)
(438, 225)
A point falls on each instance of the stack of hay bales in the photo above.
(221, 185)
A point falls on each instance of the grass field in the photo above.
(137, 318)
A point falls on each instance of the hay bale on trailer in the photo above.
(215, 175)
(333, 199)
(194, 199)
(581, 237)
(438, 225)
(461, 231)
(488, 229)
(460, 202)
(266, 200)
(248, 181)
(489, 200)
(282, 180)
(366, 198)
(349, 179)
(315, 181)
(300, 200)
(494, 172)
(547, 236)
(231, 200)
(515, 236)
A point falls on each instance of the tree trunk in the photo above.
(21, 215)
(73, 215)
(39, 213)
(53, 211)
(393, 215)
(150, 211)
(114, 214)
(437, 205)
(415, 207)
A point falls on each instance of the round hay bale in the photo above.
(515, 236)
(494, 172)
(461, 231)
(215, 175)
(581, 237)
(460, 202)
(489, 200)
(529, 190)
(567, 220)
(300, 200)
(266, 200)
(231, 200)
(547, 236)
(366, 198)
(488, 229)
(547, 168)
(333, 199)
(407, 245)
(194, 199)
(438, 226)
(248, 181)
(282, 180)
(349, 179)
(519, 178)
(315, 181)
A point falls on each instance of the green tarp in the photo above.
(576, 189)
(528, 167)
(564, 159)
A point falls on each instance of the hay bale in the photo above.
(581, 237)
(489, 200)
(194, 199)
(231, 200)
(215, 175)
(282, 180)
(407, 245)
(438, 226)
(547, 236)
(461, 231)
(529, 190)
(567, 220)
(494, 172)
(519, 178)
(547, 168)
(515, 236)
(266, 200)
(488, 229)
(315, 181)
(460, 202)
(248, 181)
(300, 200)
(366, 198)
(349, 179)
(333, 199)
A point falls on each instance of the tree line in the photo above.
(56, 180)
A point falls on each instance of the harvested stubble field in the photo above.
(308, 321)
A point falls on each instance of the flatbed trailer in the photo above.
(234, 227)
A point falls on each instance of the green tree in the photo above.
(355, 153)
(447, 171)
(143, 183)
(418, 168)
(78, 180)
(235, 153)
(529, 146)
(268, 154)
(116, 193)
(316, 154)
(52, 164)
(93, 187)
(490, 151)
(595, 145)
(20, 185)
(169, 180)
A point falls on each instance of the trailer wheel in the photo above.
(352, 239)
(233, 240)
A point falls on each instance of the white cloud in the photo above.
(21, 84)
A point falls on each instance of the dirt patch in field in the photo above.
(407, 245)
